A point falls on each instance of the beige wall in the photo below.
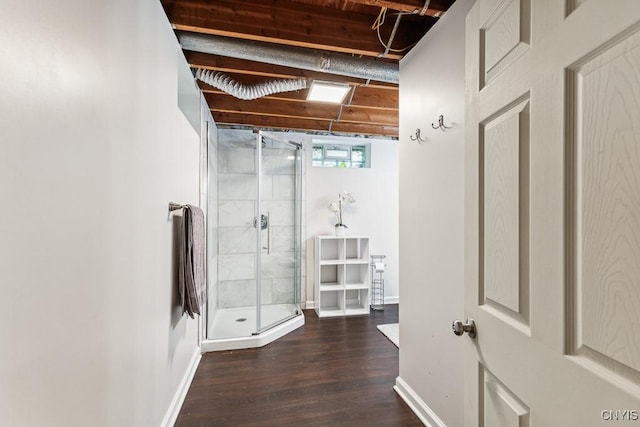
(432, 218)
(93, 148)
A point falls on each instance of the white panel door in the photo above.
(552, 262)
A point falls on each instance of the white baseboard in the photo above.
(417, 405)
(310, 305)
(178, 399)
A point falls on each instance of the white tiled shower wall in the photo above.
(236, 235)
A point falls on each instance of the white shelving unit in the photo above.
(342, 276)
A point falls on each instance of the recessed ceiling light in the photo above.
(327, 92)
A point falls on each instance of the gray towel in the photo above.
(191, 269)
(181, 238)
(197, 245)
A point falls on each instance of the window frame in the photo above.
(329, 160)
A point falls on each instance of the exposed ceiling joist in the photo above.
(314, 111)
(329, 29)
(288, 23)
(286, 123)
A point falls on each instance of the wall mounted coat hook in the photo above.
(440, 124)
(417, 137)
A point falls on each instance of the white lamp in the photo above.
(327, 92)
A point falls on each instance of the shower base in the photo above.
(232, 328)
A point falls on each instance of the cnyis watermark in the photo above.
(620, 415)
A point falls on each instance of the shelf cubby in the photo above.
(356, 274)
(332, 303)
(351, 248)
(331, 251)
(331, 273)
(356, 301)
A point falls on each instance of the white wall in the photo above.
(375, 213)
(93, 148)
(432, 217)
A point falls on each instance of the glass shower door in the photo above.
(279, 238)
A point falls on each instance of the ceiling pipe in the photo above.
(289, 56)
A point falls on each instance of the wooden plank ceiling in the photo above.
(345, 26)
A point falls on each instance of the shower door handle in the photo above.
(264, 221)
(268, 227)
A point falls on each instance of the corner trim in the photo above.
(173, 411)
(417, 405)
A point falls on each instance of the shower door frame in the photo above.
(297, 230)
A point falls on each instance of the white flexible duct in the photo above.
(247, 92)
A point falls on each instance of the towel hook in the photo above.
(440, 124)
(417, 137)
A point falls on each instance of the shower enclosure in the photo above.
(255, 231)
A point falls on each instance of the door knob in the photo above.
(469, 326)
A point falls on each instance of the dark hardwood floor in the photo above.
(337, 371)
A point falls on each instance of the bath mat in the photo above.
(391, 331)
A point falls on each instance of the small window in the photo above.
(340, 156)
